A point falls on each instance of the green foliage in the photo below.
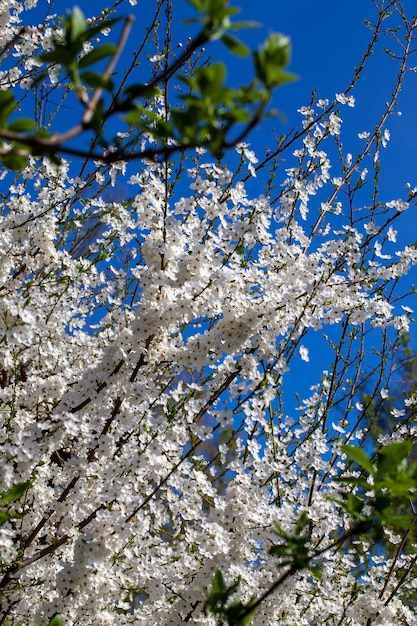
(293, 552)
(383, 497)
(294, 549)
(14, 494)
(66, 51)
(97, 54)
(271, 60)
(235, 46)
(57, 620)
(205, 115)
(215, 16)
(384, 490)
(16, 159)
(228, 611)
(7, 106)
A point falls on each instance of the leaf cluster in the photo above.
(227, 609)
(204, 115)
(294, 549)
(16, 158)
(383, 491)
(68, 52)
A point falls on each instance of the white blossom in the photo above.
(150, 337)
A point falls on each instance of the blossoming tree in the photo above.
(153, 468)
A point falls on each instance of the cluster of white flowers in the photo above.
(144, 347)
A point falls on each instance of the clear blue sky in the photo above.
(328, 39)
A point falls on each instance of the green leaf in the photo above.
(162, 129)
(271, 60)
(354, 505)
(60, 54)
(302, 523)
(404, 520)
(280, 531)
(7, 105)
(218, 586)
(39, 78)
(360, 456)
(97, 119)
(239, 614)
(382, 504)
(57, 620)
(317, 571)
(14, 161)
(140, 90)
(22, 124)
(400, 485)
(393, 457)
(14, 493)
(277, 49)
(97, 80)
(198, 4)
(76, 24)
(360, 482)
(5, 516)
(278, 550)
(235, 46)
(96, 55)
(54, 158)
(208, 80)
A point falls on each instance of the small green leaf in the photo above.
(239, 614)
(354, 505)
(360, 456)
(14, 493)
(97, 80)
(22, 124)
(382, 504)
(246, 24)
(39, 78)
(14, 162)
(140, 90)
(404, 520)
(57, 620)
(391, 458)
(360, 482)
(208, 80)
(198, 4)
(97, 55)
(317, 571)
(271, 60)
(218, 586)
(7, 105)
(235, 46)
(280, 531)
(76, 24)
(5, 516)
(400, 485)
(60, 54)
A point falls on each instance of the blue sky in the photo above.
(328, 38)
